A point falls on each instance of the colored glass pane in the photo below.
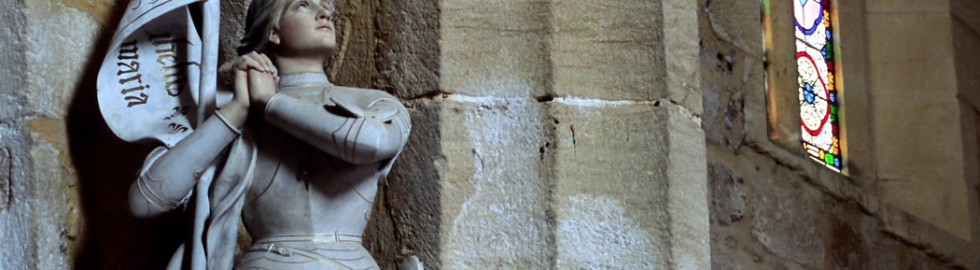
(819, 103)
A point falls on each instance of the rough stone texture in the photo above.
(548, 134)
(680, 19)
(409, 51)
(786, 222)
(495, 178)
(6, 170)
(47, 47)
(619, 221)
(688, 191)
(409, 221)
(484, 54)
(602, 84)
(728, 195)
(920, 127)
(796, 215)
(608, 50)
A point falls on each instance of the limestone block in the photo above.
(59, 41)
(688, 197)
(494, 186)
(728, 195)
(681, 50)
(487, 41)
(12, 47)
(51, 206)
(847, 246)
(611, 191)
(737, 22)
(411, 194)
(907, 6)
(732, 72)
(232, 28)
(6, 170)
(101, 10)
(885, 255)
(967, 43)
(914, 142)
(785, 219)
(409, 46)
(354, 63)
(921, 103)
(608, 49)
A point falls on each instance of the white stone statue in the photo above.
(294, 157)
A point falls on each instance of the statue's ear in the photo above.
(274, 37)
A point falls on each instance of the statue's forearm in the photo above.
(360, 139)
(169, 175)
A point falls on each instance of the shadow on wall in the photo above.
(392, 46)
(407, 212)
(111, 238)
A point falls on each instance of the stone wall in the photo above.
(547, 134)
(771, 208)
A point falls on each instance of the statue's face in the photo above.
(306, 26)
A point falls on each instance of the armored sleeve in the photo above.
(168, 175)
(360, 129)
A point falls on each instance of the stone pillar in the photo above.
(561, 134)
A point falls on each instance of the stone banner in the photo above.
(149, 80)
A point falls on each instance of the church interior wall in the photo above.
(774, 209)
(546, 132)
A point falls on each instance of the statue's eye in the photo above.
(303, 4)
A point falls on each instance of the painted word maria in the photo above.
(172, 69)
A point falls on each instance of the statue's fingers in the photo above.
(268, 62)
(247, 62)
(253, 60)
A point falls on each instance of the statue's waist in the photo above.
(317, 251)
(309, 238)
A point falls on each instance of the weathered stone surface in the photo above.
(13, 95)
(688, 197)
(847, 248)
(480, 47)
(608, 50)
(786, 221)
(611, 200)
(967, 60)
(727, 196)
(50, 188)
(494, 185)
(408, 216)
(914, 143)
(60, 40)
(736, 22)
(101, 10)
(885, 256)
(731, 72)
(6, 175)
(898, 6)
(681, 50)
(409, 47)
(232, 28)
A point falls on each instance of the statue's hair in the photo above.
(262, 17)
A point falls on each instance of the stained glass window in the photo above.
(819, 98)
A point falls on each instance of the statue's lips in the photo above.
(325, 27)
